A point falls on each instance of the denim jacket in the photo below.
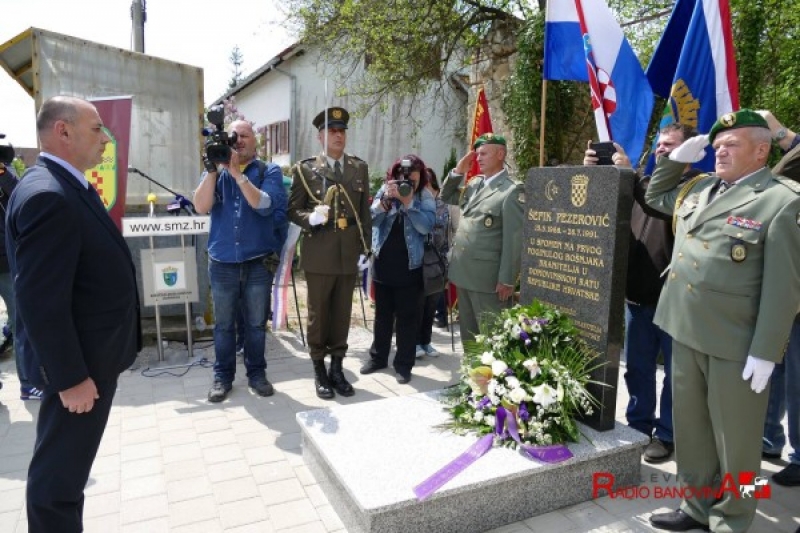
(420, 217)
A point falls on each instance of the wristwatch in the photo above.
(241, 181)
(780, 134)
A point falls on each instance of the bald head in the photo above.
(71, 128)
(245, 139)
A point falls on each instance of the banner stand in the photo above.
(169, 275)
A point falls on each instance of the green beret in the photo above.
(338, 117)
(744, 118)
(489, 138)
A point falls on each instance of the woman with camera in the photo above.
(403, 213)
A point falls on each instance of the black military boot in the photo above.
(321, 381)
(337, 378)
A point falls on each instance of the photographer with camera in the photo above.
(403, 214)
(247, 203)
(329, 200)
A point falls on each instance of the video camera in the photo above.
(219, 143)
(404, 186)
(7, 153)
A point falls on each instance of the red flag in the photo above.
(481, 123)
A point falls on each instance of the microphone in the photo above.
(134, 170)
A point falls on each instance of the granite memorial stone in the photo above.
(574, 257)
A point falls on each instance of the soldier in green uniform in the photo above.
(731, 293)
(486, 255)
(329, 199)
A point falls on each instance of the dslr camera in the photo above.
(218, 143)
(404, 185)
(6, 151)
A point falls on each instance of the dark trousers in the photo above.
(429, 304)
(400, 307)
(66, 445)
(330, 304)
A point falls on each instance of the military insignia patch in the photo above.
(728, 120)
(488, 221)
(738, 252)
(336, 113)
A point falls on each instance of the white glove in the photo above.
(363, 263)
(691, 151)
(760, 371)
(319, 216)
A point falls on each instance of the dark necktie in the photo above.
(337, 170)
(721, 189)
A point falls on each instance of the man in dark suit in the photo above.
(329, 199)
(77, 307)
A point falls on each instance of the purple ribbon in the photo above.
(505, 426)
(453, 468)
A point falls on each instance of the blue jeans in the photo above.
(244, 286)
(784, 399)
(7, 293)
(643, 340)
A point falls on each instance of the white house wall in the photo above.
(379, 138)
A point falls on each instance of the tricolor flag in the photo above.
(481, 123)
(583, 42)
(282, 279)
(694, 67)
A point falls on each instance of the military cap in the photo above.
(744, 118)
(488, 138)
(338, 117)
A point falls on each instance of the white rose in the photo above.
(512, 382)
(499, 367)
(487, 358)
(518, 395)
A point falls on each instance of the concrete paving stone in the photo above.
(181, 452)
(174, 437)
(234, 490)
(262, 454)
(265, 526)
(213, 439)
(549, 522)
(315, 495)
(132, 423)
(108, 523)
(311, 527)
(141, 487)
(228, 470)
(143, 509)
(13, 481)
(12, 500)
(272, 471)
(212, 424)
(511, 528)
(304, 475)
(105, 504)
(189, 489)
(196, 510)
(157, 525)
(140, 436)
(242, 512)
(290, 514)
(104, 464)
(14, 462)
(133, 452)
(221, 454)
(207, 526)
(104, 483)
(329, 518)
(286, 490)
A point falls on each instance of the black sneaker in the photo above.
(262, 387)
(789, 476)
(219, 391)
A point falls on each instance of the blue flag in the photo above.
(694, 68)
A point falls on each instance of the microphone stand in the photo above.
(184, 202)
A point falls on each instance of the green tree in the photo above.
(237, 60)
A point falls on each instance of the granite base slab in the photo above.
(367, 457)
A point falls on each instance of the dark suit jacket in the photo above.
(74, 279)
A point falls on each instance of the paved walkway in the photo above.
(171, 461)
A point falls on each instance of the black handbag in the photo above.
(434, 269)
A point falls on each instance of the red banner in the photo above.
(481, 123)
(110, 177)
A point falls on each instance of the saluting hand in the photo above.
(465, 164)
(80, 398)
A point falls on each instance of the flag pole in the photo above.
(542, 120)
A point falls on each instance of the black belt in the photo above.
(331, 224)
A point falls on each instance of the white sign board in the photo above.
(162, 226)
(169, 275)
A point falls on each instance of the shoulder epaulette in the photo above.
(789, 183)
(351, 156)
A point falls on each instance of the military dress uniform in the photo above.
(732, 290)
(488, 244)
(329, 252)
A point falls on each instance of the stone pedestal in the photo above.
(367, 457)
